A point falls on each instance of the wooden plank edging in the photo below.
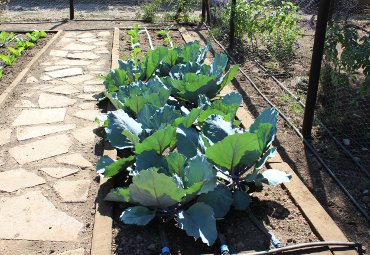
(10, 89)
(101, 243)
(321, 222)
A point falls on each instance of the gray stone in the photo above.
(75, 159)
(104, 34)
(87, 114)
(65, 72)
(58, 53)
(64, 89)
(88, 97)
(87, 106)
(32, 79)
(101, 43)
(40, 116)
(80, 251)
(25, 104)
(88, 40)
(5, 135)
(24, 133)
(45, 148)
(59, 172)
(65, 40)
(93, 88)
(346, 142)
(76, 62)
(73, 191)
(85, 135)
(78, 79)
(86, 35)
(83, 55)
(102, 51)
(79, 47)
(53, 101)
(46, 78)
(53, 68)
(33, 217)
(16, 179)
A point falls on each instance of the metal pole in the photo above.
(71, 9)
(317, 54)
(208, 12)
(203, 10)
(232, 25)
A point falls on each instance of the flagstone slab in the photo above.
(56, 67)
(93, 88)
(101, 43)
(104, 34)
(83, 55)
(75, 159)
(88, 40)
(40, 116)
(87, 114)
(87, 106)
(85, 135)
(53, 101)
(32, 79)
(79, 47)
(63, 89)
(58, 53)
(24, 133)
(45, 148)
(86, 35)
(76, 62)
(59, 172)
(80, 251)
(5, 135)
(78, 79)
(16, 179)
(33, 217)
(46, 78)
(102, 51)
(66, 72)
(24, 103)
(73, 191)
(88, 97)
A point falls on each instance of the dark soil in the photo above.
(272, 207)
(11, 72)
(293, 151)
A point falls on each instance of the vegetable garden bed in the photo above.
(23, 48)
(273, 206)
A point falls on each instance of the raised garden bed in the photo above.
(274, 207)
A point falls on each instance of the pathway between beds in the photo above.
(47, 150)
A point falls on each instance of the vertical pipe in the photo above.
(71, 9)
(317, 54)
(232, 25)
(208, 8)
(203, 10)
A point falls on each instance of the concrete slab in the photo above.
(87, 106)
(104, 33)
(40, 116)
(87, 114)
(83, 55)
(58, 53)
(102, 51)
(59, 172)
(24, 103)
(33, 217)
(24, 133)
(86, 35)
(63, 89)
(79, 47)
(88, 97)
(80, 251)
(70, 62)
(46, 78)
(53, 68)
(53, 101)
(77, 79)
(5, 135)
(65, 72)
(73, 191)
(16, 179)
(45, 148)
(85, 135)
(88, 40)
(101, 43)
(93, 88)
(75, 159)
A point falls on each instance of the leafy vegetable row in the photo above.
(189, 158)
(20, 46)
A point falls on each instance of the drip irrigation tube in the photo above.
(306, 142)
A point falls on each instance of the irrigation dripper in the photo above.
(164, 241)
(224, 248)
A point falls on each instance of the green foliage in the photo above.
(272, 24)
(5, 37)
(36, 35)
(344, 65)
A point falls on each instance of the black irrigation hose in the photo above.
(357, 246)
(306, 142)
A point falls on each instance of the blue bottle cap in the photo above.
(165, 250)
(224, 248)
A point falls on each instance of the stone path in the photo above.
(47, 150)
